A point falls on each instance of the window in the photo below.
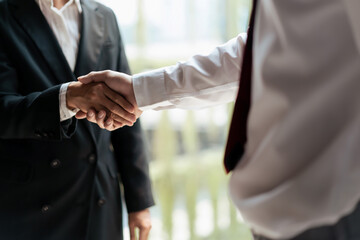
(190, 185)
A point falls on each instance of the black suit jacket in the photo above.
(61, 180)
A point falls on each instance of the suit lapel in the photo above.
(30, 17)
(91, 41)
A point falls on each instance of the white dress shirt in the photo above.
(301, 167)
(65, 24)
(202, 81)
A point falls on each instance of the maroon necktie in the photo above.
(237, 135)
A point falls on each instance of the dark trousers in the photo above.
(347, 228)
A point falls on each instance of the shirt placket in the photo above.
(63, 35)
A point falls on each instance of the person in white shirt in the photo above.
(300, 173)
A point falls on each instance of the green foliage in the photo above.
(165, 144)
(190, 138)
(164, 152)
(185, 176)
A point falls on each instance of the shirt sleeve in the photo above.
(65, 113)
(202, 81)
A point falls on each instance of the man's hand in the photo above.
(101, 98)
(120, 83)
(142, 221)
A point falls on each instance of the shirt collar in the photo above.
(78, 4)
(50, 3)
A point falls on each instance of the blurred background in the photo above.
(186, 147)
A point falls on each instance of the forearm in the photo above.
(201, 81)
(34, 116)
(28, 110)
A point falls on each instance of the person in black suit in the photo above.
(59, 179)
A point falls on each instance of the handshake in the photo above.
(106, 98)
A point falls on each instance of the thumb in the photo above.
(85, 79)
(100, 76)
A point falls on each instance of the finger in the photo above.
(109, 124)
(99, 76)
(91, 115)
(100, 118)
(80, 115)
(114, 126)
(132, 232)
(116, 110)
(118, 124)
(144, 233)
(118, 99)
(121, 120)
(138, 113)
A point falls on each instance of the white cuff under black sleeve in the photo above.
(65, 113)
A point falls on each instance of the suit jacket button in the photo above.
(92, 158)
(45, 208)
(45, 135)
(101, 202)
(37, 134)
(55, 163)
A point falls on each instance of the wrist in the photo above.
(71, 94)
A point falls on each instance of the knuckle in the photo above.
(145, 228)
(149, 225)
(100, 86)
(112, 109)
(90, 119)
(93, 95)
(146, 225)
(108, 73)
(112, 115)
(131, 117)
(118, 118)
(117, 99)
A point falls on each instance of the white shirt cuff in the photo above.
(149, 89)
(65, 112)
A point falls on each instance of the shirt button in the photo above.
(92, 158)
(55, 163)
(101, 202)
(45, 208)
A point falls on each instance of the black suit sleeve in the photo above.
(31, 116)
(130, 152)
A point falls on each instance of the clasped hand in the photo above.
(105, 98)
